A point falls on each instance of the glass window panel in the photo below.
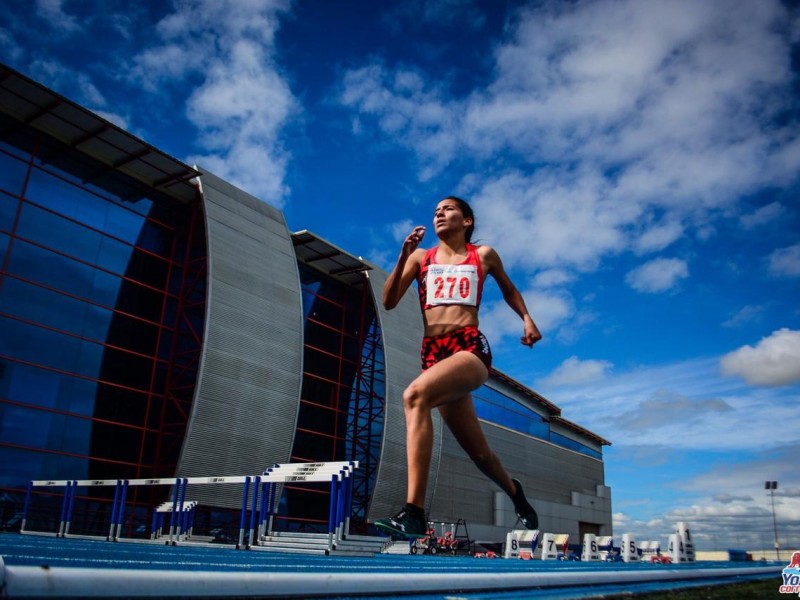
(12, 174)
(14, 151)
(124, 368)
(156, 238)
(53, 270)
(52, 309)
(121, 405)
(49, 349)
(140, 301)
(85, 207)
(8, 212)
(571, 444)
(19, 467)
(116, 443)
(133, 334)
(72, 239)
(4, 239)
(499, 408)
(148, 269)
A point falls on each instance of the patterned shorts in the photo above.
(438, 347)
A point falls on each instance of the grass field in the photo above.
(766, 589)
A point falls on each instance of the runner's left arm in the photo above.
(494, 267)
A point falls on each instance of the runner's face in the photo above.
(448, 216)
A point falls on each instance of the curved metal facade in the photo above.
(247, 394)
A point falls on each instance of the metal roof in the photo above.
(82, 132)
(551, 408)
(578, 429)
(328, 258)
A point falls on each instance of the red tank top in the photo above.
(444, 285)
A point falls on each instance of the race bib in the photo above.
(452, 284)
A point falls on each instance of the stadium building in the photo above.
(156, 321)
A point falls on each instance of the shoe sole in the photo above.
(396, 534)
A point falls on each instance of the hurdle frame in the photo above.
(252, 529)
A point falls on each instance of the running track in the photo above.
(47, 567)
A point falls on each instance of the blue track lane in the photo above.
(39, 566)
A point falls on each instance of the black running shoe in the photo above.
(404, 525)
(525, 513)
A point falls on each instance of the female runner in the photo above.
(456, 358)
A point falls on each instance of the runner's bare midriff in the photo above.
(444, 319)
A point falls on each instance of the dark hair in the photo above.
(466, 211)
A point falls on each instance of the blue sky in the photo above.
(634, 163)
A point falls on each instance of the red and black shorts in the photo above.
(438, 347)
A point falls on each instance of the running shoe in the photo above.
(405, 524)
(525, 512)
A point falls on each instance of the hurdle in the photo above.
(185, 520)
(255, 522)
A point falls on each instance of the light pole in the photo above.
(772, 486)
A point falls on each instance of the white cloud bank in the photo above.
(658, 275)
(629, 124)
(774, 361)
(785, 262)
(242, 102)
(574, 371)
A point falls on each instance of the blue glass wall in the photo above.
(96, 342)
(342, 400)
(498, 408)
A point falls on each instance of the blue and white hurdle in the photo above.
(256, 520)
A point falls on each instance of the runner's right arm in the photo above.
(405, 270)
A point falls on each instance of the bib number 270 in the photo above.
(447, 287)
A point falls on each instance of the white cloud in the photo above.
(401, 230)
(548, 309)
(666, 407)
(747, 314)
(549, 219)
(626, 112)
(658, 275)
(53, 12)
(763, 215)
(243, 102)
(785, 262)
(683, 405)
(574, 371)
(775, 360)
(658, 237)
(553, 278)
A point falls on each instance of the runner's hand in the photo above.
(413, 241)
(532, 333)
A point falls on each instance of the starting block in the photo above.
(590, 550)
(554, 545)
(681, 546)
(519, 541)
(628, 549)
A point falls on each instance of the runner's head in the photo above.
(466, 212)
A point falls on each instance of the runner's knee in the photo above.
(414, 396)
